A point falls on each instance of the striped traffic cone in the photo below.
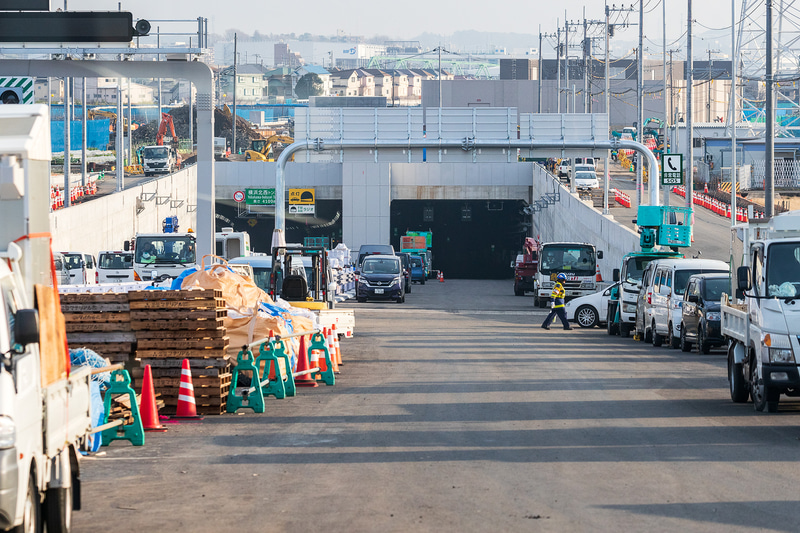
(332, 350)
(186, 404)
(303, 364)
(336, 345)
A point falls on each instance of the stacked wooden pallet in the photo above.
(171, 326)
(99, 322)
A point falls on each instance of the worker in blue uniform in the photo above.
(557, 299)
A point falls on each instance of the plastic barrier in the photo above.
(621, 198)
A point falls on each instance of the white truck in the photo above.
(231, 244)
(44, 405)
(160, 159)
(577, 260)
(220, 148)
(163, 254)
(762, 323)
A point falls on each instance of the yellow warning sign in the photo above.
(301, 196)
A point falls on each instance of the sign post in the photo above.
(671, 169)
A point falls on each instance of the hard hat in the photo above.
(561, 277)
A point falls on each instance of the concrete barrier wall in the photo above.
(105, 222)
(573, 220)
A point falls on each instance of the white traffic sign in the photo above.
(238, 196)
(301, 209)
(671, 169)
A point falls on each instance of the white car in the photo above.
(586, 179)
(589, 311)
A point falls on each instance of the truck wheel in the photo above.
(543, 303)
(736, 381)
(31, 514)
(518, 292)
(624, 330)
(674, 342)
(612, 328)
(535, 298)
(654, 336)
(58, 510)
(758, 391)
(423, 280)
(686, 346)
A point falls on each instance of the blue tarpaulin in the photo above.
(97, 135)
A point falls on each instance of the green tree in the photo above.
(309, 85)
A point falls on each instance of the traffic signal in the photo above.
(16, 90)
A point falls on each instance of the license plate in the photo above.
(378, 291)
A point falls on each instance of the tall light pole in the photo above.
(732, 118)
(769, 154)
(689, 112)
(539, 74)
(558, 69)
(640, 108)
(233, 118)
(666, 103)
(607, 174)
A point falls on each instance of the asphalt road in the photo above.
(455, 412)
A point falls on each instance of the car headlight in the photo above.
(586, 284)
(629, 308)
(779, 348)
(547, 284)
(713, 316)
(8, 433)
(398, 280)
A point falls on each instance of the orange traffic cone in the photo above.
(441, 277)
(705, 189)
(267, 364)
(598, 277)
(302, 365)
(336, 345)
(186, 405)
(332, 350)
(147, 406)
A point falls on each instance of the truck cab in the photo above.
(159, 159)
(763, 324)
(163, 254)
(576, 260)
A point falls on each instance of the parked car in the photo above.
(666, 288)
(61, 269)
(585, 161)
(586, 179)
(115, 267)
(381, 277)
(82, 268)
(590, 311)
(701, 312)
(418, 270)
(563, 168)
(373, 249)
(405, 259)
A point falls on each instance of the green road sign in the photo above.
(259, 196)
(671, 169)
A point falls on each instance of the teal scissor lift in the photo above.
(664, 225)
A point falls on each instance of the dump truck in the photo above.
(44, 403)
(762, 322)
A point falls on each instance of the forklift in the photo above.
(300, 275)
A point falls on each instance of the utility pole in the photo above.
(640, 114)
(558, 71)
(158, 45)
(606, 173)
(689, 122)
(733, 120)
(665, 140)
(233, 118)
(439, 75)
(83, 131)
(586, 50)
(566, 62)
(710, 81)
(67, 156)
(539, 74)
(769, 155)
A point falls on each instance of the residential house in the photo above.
(324, 75)
(355, 82)
(414, 84)
(251, 84)
(384, 82)
(280, 83)
(104, 91)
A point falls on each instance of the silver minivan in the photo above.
(666, 284)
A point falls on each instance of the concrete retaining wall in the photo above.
(104, 223)
(571, 219)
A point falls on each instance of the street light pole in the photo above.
(606, 172)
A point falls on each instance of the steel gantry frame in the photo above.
(466, 143)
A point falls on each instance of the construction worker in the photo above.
(557, 298)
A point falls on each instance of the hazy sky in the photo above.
(408, 18)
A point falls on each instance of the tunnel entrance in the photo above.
(472, 239)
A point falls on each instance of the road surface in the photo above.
(456, 412)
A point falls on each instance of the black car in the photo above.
(405, 261)
(700, 322)
(381, 278)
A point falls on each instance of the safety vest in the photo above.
(558, 295)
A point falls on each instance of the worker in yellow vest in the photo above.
(557, 299)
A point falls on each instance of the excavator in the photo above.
(92, 114)
(267, 149)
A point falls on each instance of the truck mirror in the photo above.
(743, 281)
(692, 298)
(615, 274)
(127, 246)
(26, 327)
(600, 254)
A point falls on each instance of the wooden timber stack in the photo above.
(171, 326)
(100, 322)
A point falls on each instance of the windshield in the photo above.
(261, 277)
(416, 261)
(166, 249)
(573, 258)
(585, 176)
(682, 278)
(156, 152)
(73, 261)
(380, 266)
(783, 270)
(715, 287)
(116, 261)
(634, 269)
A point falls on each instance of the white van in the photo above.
(668, 284)
(585, 161)
(61, 269)
(82, 268)
(115, 267)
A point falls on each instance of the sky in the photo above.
(406, 19)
